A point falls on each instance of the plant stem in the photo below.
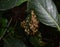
(6, 29)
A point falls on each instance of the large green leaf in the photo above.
(13, 42)
(7, 4)
(20, 2)
(46, 12)
(37, 41)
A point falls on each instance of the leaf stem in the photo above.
(6, 29)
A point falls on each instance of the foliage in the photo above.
(20, 2)
(8, 4)
(14, 35)
(13, 42)
(45, 11)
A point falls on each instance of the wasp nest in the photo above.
(30, 27)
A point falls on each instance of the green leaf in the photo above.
(7, 4)
(3, 22)
(13, 42)
(34, 41)
(46, 12)
(1, 32)
(20, 2)
(37, 40)
(59, 18)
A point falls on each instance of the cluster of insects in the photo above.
(30, 27)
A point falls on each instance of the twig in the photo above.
(6, 29)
